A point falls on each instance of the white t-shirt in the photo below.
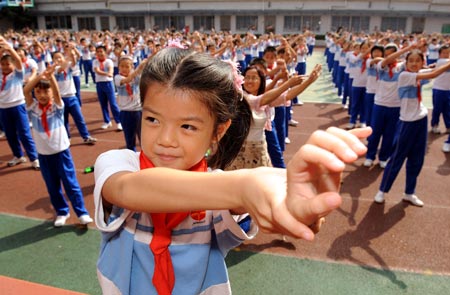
(11, 93)
(442, 82)
(107, 64)
(410, 108)
(58, 140)
(124, 100)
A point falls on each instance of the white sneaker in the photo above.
(345, 107)
(85, 219)
(287, 140)
(413, 199)
(368, 163)
(383, 164)
(16, 161)
(379, 197)
(106, 125)
(119, 127)
(61, 220)
(292, 123)
(2, 134)
(35, 165)
(362, 125)
(446, 147)
(350, 126)
(435, 130)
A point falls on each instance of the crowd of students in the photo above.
(192, 109)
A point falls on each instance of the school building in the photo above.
(283, 17)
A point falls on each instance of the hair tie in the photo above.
(175, 44)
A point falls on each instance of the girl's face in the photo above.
(377, 53)
(177, 129)
(7, 67)
(58, 58)
(125, 67)
(252, 81)
(43, 95)
(414, 62)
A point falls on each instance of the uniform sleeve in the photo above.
(107, 164)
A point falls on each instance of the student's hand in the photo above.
(293, 201)
(314, 176)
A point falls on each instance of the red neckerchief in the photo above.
(4, 81)
(102, 66)
(364, 63)
(163, 223)
(391, 67)
(44, 110)
(128, 88)
(24, 61)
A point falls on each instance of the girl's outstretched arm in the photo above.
(279, 200)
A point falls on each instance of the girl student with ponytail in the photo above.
(411, 135)
(166, 226)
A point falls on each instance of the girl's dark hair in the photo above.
(377, 47)
(262, 78)
(212, 82)
(443, 47)
(415, 51)
(43, 84)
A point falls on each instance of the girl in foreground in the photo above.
(167, 230)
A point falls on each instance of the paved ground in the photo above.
(364, 248)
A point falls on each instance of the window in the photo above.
(393, 23)
(58, 22)
(225, 22)
(204, 22)
(246, 22)
(163, 22)
(104, 23)
(86, 23)
(127, 22)
(350, 23)
(301, 22)
(418, 24)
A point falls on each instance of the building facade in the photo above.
(283, 17)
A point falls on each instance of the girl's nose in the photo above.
(167, 137)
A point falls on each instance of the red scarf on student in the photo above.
(24, 61)
(44, 110)
(391, 67)
(128, 88)
(364, 63)
(163, 223)
(419, 93)
(102, 66)
(4, 81)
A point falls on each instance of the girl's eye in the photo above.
(152, 120)
(188, 127)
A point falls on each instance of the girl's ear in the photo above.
(221, 130)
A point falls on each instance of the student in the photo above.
(104, 69)
(376, 54)
(386, 108)
(128, 100)
(52, 142)
(12, 107)
(441, 94)
(411, 141)
(194, 116)
(357, 107)
(86, 61)
(63, 75)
